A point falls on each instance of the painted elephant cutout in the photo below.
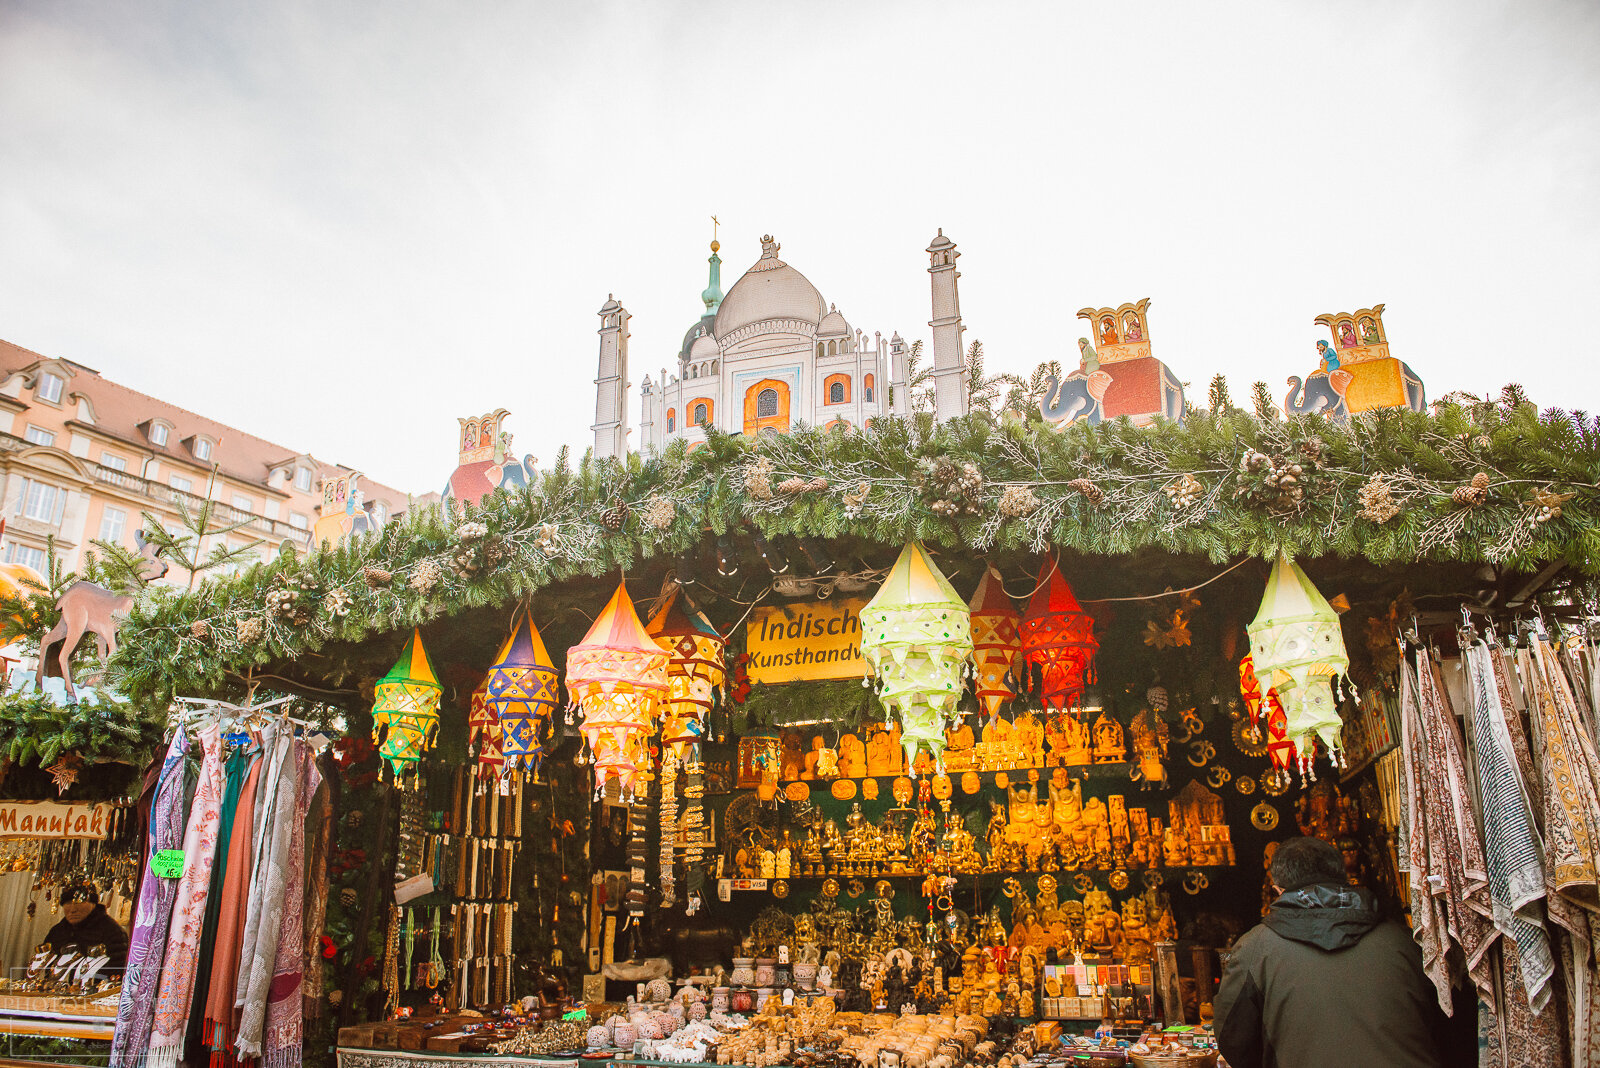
(343, 514)
(1322, 393)
(1077, 398)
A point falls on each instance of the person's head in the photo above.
(1303, 861)
(77, 902)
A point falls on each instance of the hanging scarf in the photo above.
(281, 1045)
(189, 905)
(1571, 771)
(1511, 843)
(319, 833)
(263, 928)
(147, 944)
(234, 773)
(230, 921)
(1449, 881)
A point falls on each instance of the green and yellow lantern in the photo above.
(405, 709)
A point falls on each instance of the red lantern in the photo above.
(996, 644)
(1279, 748)
(1058, 637)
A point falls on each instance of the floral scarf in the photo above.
(147, 943)
(189, 905)
(1449, 878)
(281, 1045)
(263, 926)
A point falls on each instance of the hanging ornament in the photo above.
(484, 733)
(1273, 725)
(523, 692)
(1058, 638)
(916, 633)
(1297, 648)
(64, 772)
(996, 642)
(695, 669)
(618, 676)
(405, 708)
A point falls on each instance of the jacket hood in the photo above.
(1326, 915)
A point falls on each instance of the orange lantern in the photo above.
(996, 642)
(618, 676)
(1279, 748)
(1058, 638)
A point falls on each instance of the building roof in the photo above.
(769, 290)
(123, 413)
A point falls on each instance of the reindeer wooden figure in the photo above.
(89, 608)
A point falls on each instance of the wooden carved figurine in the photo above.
(89, 608)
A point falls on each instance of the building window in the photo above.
(185, 485)
(243, 503)
(302, 479)
(38, 435)
(298, 521)
(116, 463)
(42, 502)
(202, 449)
(866, 388)
(672, 419)
(700, 415)
(26, 555)
(821, 350)
(833, 348)
(158, 433)
(112, 521)
(49, 388)
(767, 404)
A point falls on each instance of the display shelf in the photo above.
(1134, 874)
(1111, 770)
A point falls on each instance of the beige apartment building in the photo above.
(83, 457)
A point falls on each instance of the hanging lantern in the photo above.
(523, 692)
(1274, 724)
(483, 732)
(917, 635)
(405, 708)
(695, 669)
(996, 642)
(1297, 649)
(618, 676)
(1058, 638)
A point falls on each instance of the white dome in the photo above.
(833, 324)
(769, 290)
(704, 347)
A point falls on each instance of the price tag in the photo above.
(167, 863)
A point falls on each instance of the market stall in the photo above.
(924, 746)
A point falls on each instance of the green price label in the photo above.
(167, 863)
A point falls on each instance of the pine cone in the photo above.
(1018, 501)
(791, 486)
(200, 629)
(1480, 481)
(426, 575)
(377, 578)
(658, 513)
(1091, 492)
(249, 629)
(615, 517)
(818, 484)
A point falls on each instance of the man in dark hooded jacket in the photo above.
(1324, 980)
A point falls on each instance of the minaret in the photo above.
(949, 366)
(899, 377)
(712, 296)
(611, 382)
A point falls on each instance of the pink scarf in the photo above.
(281, 1044)
(189, 908)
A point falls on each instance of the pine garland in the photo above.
(1100, 490)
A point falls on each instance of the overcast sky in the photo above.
(341, 226)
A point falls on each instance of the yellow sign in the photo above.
(813, 640)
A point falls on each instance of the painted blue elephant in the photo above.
(1322, 393)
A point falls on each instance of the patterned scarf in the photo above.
(263, 927)
(1571, 770)
(1449, 878)
(1511, 842)
(148, 943)
(319, 832)
(189, 906)
(285, 1017)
